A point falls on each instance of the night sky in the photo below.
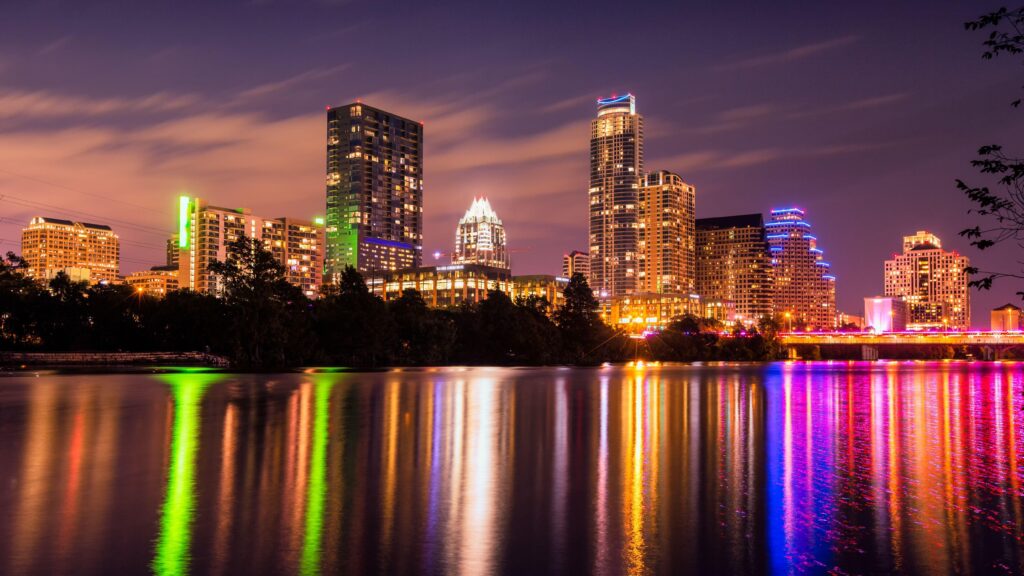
(862, 113)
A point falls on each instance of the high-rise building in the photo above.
(480, 237)
(83, 251)
(172, 251)
(733, 265)
(374, 190)
(933, 282)
(616, 165)
(665, 234)
(205, 231)
(804, 287)
(157, 281)
(576, 262)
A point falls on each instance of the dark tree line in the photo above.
(263, 322)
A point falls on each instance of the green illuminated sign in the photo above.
(172, 544)
(319, 220)
(184, 221)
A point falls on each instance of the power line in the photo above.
(68, 188)
(42, 205)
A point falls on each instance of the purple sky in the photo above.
(862, 113)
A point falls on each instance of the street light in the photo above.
(789, 321)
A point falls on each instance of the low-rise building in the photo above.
(443, 286)
(885, 314)
(157, 281)
(546, 286)
(1007, 318)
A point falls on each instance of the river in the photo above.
(786, 468)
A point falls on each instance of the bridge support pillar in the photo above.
(868, 353)
(791, 353)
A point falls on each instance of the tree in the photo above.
(353, 326)
(425, 336)
(20, 299)
(1003, 205)
(579, 322)
(268, 317)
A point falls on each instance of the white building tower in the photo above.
(480, 237)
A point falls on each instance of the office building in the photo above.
(933, 282)
(885, 314)
(443, 286)
(616, 165)
(665, 234)
(551, 288)
(157, 281)
(576, 262)
(374, 190)
(172, 251)
(480, 237)
(803, 286)
(733, 265)
(1007, 318)
(83, 251)
(205, 231)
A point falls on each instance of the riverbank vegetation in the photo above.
(262, 322)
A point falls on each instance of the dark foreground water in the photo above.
(785, 468)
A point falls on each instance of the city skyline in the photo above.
(718, 137)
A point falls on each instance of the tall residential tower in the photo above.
(374, 190)
(83, 251)
(933, 283)
(665, 234)
(805, 289)
(616, 165)
(733, 264)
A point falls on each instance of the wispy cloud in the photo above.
(55, 45)
(40, 103)
(791, 54)
(860, 104)
(292, 82)
(707, 160)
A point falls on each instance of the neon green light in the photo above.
(319, 220)
(312, 543)
(183, 221)
(172, 545)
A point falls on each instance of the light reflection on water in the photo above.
(786, 468)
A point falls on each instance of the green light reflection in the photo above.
(172, 545)
(316, 496)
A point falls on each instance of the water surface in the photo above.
(785, 468)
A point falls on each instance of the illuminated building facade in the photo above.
(83, 251)
(374, 190)
(480, 237)
(157, 281)
(642, 312)
(665, 234)
(172, 250)
(932, 281)
(733, 264)
(804, 287)
(551, 288)
(1007, 318)
(576, 262)
(885, 314)
(205, 231)
(616, 165)
(444, 286)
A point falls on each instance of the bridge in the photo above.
(990, 345)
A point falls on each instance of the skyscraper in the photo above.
(616, 165)
(804, 288)
(932, 281)
(576, 262)
(83, 251)
(480, 237)
(374, 190)
(204, 232)
(665, 234)
(733, 264)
